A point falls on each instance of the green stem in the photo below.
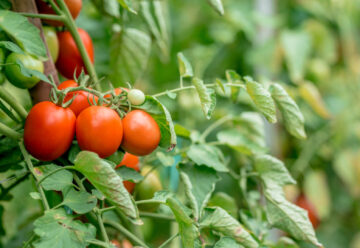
(157, 216)
(79, 181)
(98, 242)
(9, 132)
(213, 126)
(9, 99)
(53, 172)
(163, 245)
(44, 16)
(124, 231)
(181, 82)
(29, 241)
(103, 210)
(149, 201)
(70, 24)
(102, 227)
(31, 169)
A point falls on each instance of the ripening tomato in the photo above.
(74, 7)
(49, 131)
(304, 203)
(52, 42)
(99, 129)
(130, 161)
(69, 56)
(141, 133)
(81, 100)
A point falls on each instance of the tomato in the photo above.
(117, 92)
(115, 243)
(141, 133)
(52, 42)
(14, 75)
(49, 131)
(74, 7)
(69, 56)
(304, 203)
(130, 161)
(124, 244)
(136, 97)
(99, 129)
(147, 188)
(81, 100)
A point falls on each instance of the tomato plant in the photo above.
(70, 59)
(130, 161)
(52, 42)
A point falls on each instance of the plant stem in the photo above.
(124, 231)
(213, 126)
(157, 216)
(9, 132)
(53, 172)
(163, 245)
(103, 210)
(9, 99)
(102, 227)
(78, 181)
(98, 242)
(29, 241)
(70, 24)
(31, 169)
(45, 16)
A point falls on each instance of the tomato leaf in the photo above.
(219, 220)
(29, 72)
(57, 181)
(262, 99)
(199, 184)
(226, 242)
(127, 4)
(163, 118)
(185, 67)
(217, 6)
(292, 116)
(26, 35)
(129, 174)
(182, 131)
(207, 155)
(56, 229)
(312, 96)
(226, 202)
(207, 97)
(233, 78)
(104, 178)
(129, 53)
(80, 202)
(11, 46)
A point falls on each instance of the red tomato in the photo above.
(74, 7)
(130, 161)
(99, 129)
(304, 203)
(141, 133)
(81, 99)
(49, 131)
(116, 243)
(69, 55)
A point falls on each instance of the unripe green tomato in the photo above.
(136, 97)
(2, 78)
(147, 188)
(52, 42)
(2, 58)
(13, 72)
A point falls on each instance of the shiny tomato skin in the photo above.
(99, 129)
(69, 56)
(52, 42)
(130, 161)
(74, 7)
(304, 203)
(141, 133)
(81, 100)
(49, 131)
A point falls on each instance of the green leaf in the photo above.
(207, 155)
(288, 217)
(57, 181)
(111, 7)
(80, 202)
(11, 46)
(185, 67)
(163, 118)
(262, 99)
(129, 54)
(154, 13)
(104, 178)
(217, 6)
(226, 202)
(207, 97)
(292, 116)
(56, 229)
(219, 220)
(29, 72)
(73, 152)
(188, 231)
(166, 160)
(162, 195)
(227, 242)
(199, 184)
(35, 195)
(129, 174)
(297, 49)
(26, 35)
(127, 4)
(182, 131)
(233, 77)
(5, 4)
(272, 170)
